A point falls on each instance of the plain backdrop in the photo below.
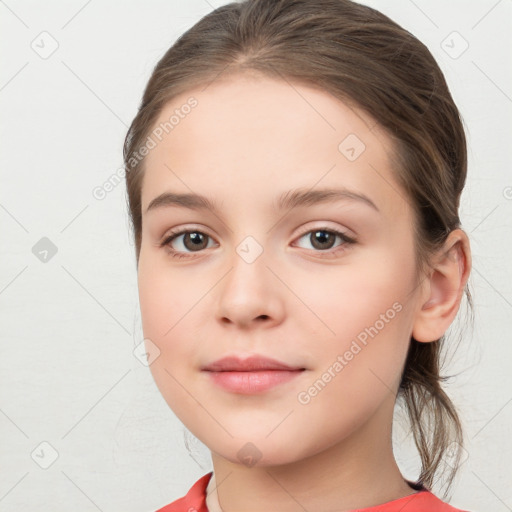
(82, 424)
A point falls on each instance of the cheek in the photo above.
(167, 302)
(363, 314)
(347, 301)
(166, 305)
(359, 366)
(165, 296)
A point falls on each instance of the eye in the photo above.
(181, 244)
(323, 239)
(191, 240)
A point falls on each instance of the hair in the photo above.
(368, 61)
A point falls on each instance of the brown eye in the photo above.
(324, 239)
(195, 240)
(185, 242)
(321, 239)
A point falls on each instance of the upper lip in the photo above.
(252, 363)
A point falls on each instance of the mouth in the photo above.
(249, 364)
(253, 375)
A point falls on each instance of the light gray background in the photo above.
(68, 376)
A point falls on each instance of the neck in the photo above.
(358, 472)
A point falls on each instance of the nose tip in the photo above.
(249, 294)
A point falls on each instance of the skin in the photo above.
(248, 140)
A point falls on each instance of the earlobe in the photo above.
(443, 289)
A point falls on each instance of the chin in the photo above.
(260, 452)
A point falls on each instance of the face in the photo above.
(325, 285)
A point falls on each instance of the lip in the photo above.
(253, 375)
(249, 364)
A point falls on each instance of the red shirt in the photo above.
(422, 501)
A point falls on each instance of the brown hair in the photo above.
(366, 60)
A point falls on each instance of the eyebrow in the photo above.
(286, 201)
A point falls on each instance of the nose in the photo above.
(250, 295)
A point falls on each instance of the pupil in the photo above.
(196, 238)
(322, 238)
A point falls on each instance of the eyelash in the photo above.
(178, 254)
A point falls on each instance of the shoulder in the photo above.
(421, 501)
(426, 501)
(194, 500)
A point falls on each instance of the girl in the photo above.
(294, 174)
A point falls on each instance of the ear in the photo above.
(443, 288)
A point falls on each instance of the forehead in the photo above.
(257, 136)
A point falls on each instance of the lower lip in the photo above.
(254, 381)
